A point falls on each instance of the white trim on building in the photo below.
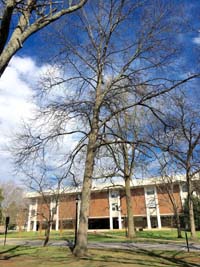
(157, 208)
(35, 216)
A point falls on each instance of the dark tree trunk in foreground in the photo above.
(178, 224)
(130, 223)
(81, 242)
(191, 209)
(47, 234)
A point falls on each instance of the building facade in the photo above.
(153, 206)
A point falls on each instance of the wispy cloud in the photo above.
(17, 87)
(16, 90)
(196, 40)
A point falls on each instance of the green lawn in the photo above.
(163, 234)
(107, 236)
(21, 256)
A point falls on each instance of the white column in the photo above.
(51, 207)
(29, 219)
(147, 210)
(78, 217)
(119, 213)
(57, 217)
(157, 208)
(110, 211)
(181, 194)
(35, 217)
(148, 218)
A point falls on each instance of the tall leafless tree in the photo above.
(122, 48)
(127, 144)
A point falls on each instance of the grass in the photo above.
(22, 256)
(107, 236)
(168, 235)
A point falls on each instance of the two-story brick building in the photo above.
(152, 207)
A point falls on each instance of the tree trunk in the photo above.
(81, 242)
(190, 207)
(176, 212)
(130, 219)
(178, 224)
(191, 217)
(47, 234)
(6, 55)
(16, 41)
(80, 248)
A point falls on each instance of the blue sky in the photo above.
(18, 83)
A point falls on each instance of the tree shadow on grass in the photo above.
(137, 257)
(9, 249)
(11, 252)
(70, 244)
(172, 258)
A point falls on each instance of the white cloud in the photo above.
(24, 65)
(17, 86)
(196, 40)
(16, 90)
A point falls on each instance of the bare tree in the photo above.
(126, 144)
(13, 201)
(19, 19)
(182, 142)
(48, 191)
(101, 62)
(45, 179)
(169, 182)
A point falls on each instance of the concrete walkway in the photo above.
(100, 245)
(147, 246)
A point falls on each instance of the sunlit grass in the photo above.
(21, 256)
(106, 236)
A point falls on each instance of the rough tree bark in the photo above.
(80, 248)
(130, 222)
(190, 207)
(178, 224)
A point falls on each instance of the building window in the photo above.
(114, 194)
(33, 213)
(53, 210)
(114, 207)
(184, 188)
(150, 191)
(33, 201)
(151, 203)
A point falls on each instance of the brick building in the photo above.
(152, 207)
